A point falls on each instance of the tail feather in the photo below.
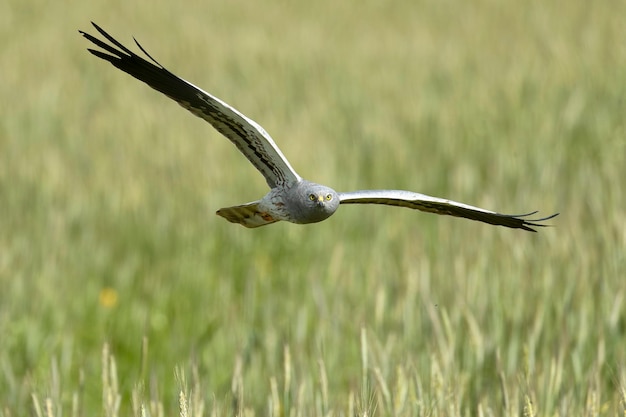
(246, 214)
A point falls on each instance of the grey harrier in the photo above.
(290, 198)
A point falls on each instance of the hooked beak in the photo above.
(320, 198)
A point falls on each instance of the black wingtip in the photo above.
(526, 225)
(147, 54)
(547, 218)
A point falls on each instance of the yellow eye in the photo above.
(329, 197)
(312, 197)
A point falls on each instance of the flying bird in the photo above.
(291, 198)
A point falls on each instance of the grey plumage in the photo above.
(304, 202)
(290, 198)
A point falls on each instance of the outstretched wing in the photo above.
(249, 137)
(441, 206)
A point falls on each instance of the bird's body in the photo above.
(303, 202)
(290, 198)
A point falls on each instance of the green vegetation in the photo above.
(108, 189)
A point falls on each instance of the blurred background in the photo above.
(108, 192)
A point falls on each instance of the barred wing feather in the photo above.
(441, 206)
(249, 137)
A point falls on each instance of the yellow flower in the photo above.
(108, 297)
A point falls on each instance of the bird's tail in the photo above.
(246, 214)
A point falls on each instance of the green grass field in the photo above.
(122, 293)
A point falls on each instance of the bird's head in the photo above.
(314, 203)
(321, 198)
